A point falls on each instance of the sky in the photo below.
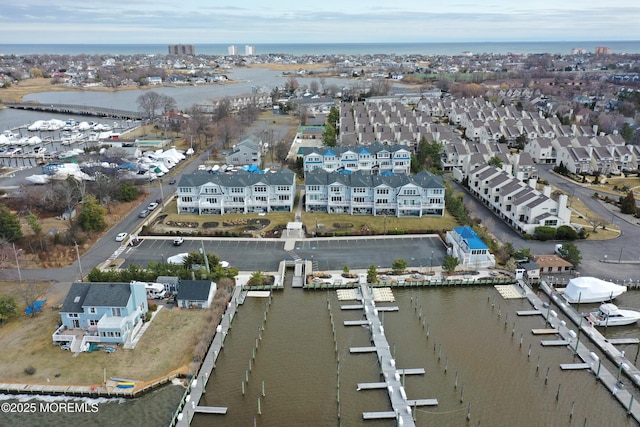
(327, 21)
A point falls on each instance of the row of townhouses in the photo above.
(372, 159)
(241, 192)
(366, 194)
(581, 148)
(519, 204)
(484, 124)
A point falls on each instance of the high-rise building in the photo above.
(182, 49)
(603, 50)
(233, 49)
(249, 50)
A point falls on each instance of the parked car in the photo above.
(143, 214)
(152, 206)
(120, 237)
(172, 181)
(178, 241)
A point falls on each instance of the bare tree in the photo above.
(281, 151)
(313, 87)
(596, 221)
(148, 103)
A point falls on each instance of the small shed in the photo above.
(196, 293)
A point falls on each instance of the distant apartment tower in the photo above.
(233, 50)
(249, 50)
(182, 49)
(603, 50)
(578, 51)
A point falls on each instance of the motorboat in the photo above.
(591, 289)
(610, 315)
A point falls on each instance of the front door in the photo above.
(76, 323)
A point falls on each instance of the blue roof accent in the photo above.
(387, 173)
(364, 151)
(471, 237)
(329, 153)
(345, 172)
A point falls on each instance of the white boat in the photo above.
(591, 289)
(610, 315)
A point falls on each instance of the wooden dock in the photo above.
(528, 312)
(423, 402)
(379, 415)
(352, 307)
(220, 410)
(574, 366)
(355, 322)
(411, 371)
(362, 349)
(554, 343)
(585, 334)
(371, 386)
(544, 331)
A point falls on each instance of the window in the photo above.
(382, 191)
(283, 187)
(410, 192)
(335, 189)
(382, 201)
(313, 188)
(116, 311)
(186, 199)
(358, 199)
(238, 199)
(359, 190)
(283, 197)
(92, 310)
(72, 315)
(93, 322)
(237, 190)
(260, 189)
(211, 200)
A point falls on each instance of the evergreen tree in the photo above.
(91, 217)
(628, 204)
(10, 229)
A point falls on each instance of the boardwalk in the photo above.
(77, 110)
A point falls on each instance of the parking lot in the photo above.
(327, 254)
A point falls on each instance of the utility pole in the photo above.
(79, 263)
(15, 253)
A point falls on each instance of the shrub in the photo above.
(545, 233)
(30, 370)
(153, 306)
(566, 232)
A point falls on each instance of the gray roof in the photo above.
(238, 179)
(194, 290)
(361, 179)
(83, 294)
(338, 150)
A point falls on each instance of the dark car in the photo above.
(172, 181)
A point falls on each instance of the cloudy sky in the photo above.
(333, 21)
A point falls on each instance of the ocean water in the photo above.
(419, 48)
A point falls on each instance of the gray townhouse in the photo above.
(360, 193)
(240, 192)
(372, 159)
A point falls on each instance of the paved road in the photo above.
(624, 248)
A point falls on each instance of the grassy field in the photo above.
(166, 347)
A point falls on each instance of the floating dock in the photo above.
(220, 410)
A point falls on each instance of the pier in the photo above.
(572, 340)
(189, 404)
(397, 395)
(76, 110)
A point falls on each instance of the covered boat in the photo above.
(591, 289)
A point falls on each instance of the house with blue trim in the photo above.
(469, 248)
(108, 313)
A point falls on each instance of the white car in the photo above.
(152, 206)
(121, 236)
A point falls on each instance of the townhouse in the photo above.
(373, 159)
(360, 193)
(520, 205)
(239, 192)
